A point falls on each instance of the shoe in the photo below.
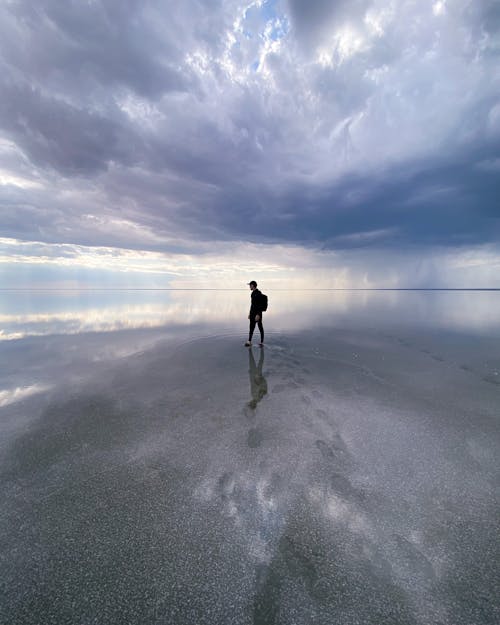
(261, 344)
(248, 344)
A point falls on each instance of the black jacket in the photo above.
(256, 306)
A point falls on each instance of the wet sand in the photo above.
(336, 476)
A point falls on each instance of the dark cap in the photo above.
(252, 282)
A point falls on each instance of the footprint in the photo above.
(343, 487)
(326, 451)
(414, 560)
(335, 451)
(306, 420)
(275, 486)
(341, 484)
(226, 485)
(338, 444)
(306, 400)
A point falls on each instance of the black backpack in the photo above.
(263, 302)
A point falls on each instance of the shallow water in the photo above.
(155, 471)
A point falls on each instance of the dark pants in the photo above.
(252, 328)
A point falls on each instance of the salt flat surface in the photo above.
(163, 473)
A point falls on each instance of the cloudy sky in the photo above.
(330, 143)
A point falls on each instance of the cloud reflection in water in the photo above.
(23, 314)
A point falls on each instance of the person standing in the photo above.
(255, 314)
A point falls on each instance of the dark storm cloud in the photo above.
(435, 204)
(431, 204)
(59, 135)
(77, 44)
(337, 124)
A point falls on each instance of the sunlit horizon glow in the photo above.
(34, 264)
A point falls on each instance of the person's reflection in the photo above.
(258, 384)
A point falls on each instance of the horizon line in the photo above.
(242, 289)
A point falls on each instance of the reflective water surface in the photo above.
(154, 470)
(41, 313)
